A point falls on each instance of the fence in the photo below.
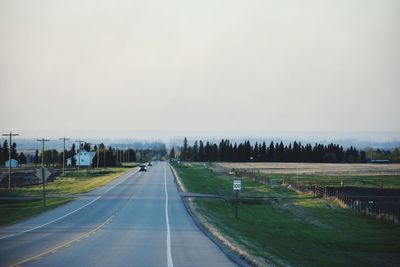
(379, 203)
(376, 202)
(254, 175)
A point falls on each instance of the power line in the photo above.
(10, 135)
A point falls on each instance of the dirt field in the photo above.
(314, 168)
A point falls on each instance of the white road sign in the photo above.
(46, 172)
(237, 184)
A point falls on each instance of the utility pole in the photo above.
(64, 139)
(9, 157)
(98, 155)
(79, 153)
(117, 153)
(104, 155)
(43, 179)
(90, 155)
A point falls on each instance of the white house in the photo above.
(14, 163)
(85, 157)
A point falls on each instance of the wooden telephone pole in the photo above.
(9, 157)
(43, 174)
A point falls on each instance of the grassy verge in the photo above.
(12, 211)
(294, 229)
(72, 183)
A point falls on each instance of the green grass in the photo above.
(12, 211)
(294, 229)
(72, 183)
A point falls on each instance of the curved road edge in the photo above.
(230, 249)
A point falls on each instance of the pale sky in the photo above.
(123, 68)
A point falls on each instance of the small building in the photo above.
(14, 163)
(85, 158)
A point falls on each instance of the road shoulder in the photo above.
(228, 247)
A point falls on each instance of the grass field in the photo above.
(72, 183)
(293, 229)
(361, 175)
(13, 210)
(315, 168)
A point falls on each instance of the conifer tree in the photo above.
(172, 153)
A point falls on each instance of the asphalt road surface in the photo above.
(136, 220)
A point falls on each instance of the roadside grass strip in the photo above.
(15, 210)
(291, 228)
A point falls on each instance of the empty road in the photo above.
(136, 220)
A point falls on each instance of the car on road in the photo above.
(150, 163)
(142, 168)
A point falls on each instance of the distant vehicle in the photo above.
(142, 168)
(149, 164)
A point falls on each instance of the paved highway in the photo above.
(136, 220)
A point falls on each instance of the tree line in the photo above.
(108, 156)
(274, 152)
(5, 151)
(379, 154)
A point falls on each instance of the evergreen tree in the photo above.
(207, 152)
(5, 150)
(14, 154)
(263, 152)
(22, 158)
(280, 152)
(271, 152)
(72, 153)
(110, 158)
(194, 152)
(172, 153)
(87, 147)
(36, 157)
(201, 151)
(255, 152)
(184, 151)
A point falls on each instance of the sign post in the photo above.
(237, 186)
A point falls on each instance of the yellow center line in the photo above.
(64, 245)
(69, 243)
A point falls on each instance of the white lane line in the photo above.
(62, 217)
(55, 220)
(64, 245)
(128, 175)
(169, 257)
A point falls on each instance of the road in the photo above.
(136, 220)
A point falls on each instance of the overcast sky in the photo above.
(128, 68)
